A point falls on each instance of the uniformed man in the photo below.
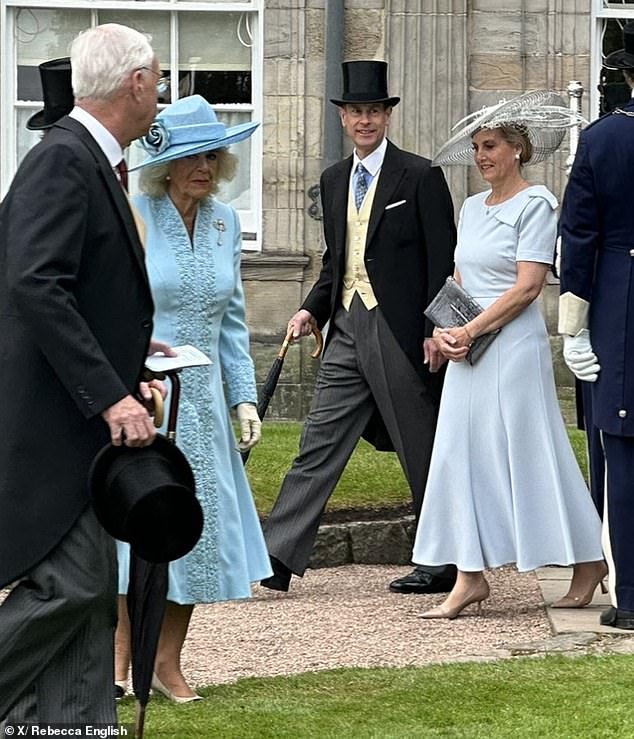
(596, 315)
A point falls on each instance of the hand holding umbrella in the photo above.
(268, 388)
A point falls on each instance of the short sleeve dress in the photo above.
(504, 485)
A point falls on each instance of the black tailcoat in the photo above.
(75, 322)
(408, 253)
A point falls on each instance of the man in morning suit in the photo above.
(75, 325)
(596, 315)
(390, 235)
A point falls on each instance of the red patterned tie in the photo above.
(122, 169)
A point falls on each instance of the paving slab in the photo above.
(553, 583)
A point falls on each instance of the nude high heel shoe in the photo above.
(477, 595)
(585, 590)
(160, 688)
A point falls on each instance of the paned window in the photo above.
(204, 47)
(608, 89)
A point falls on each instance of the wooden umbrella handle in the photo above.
(288, 340)
(319, 343)
(159, 407)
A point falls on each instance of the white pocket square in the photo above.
(395, 205)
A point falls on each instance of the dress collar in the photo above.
(510, 210)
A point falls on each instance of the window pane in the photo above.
(613, 90)
(215, 56)
(25, 138)
(246, 2)
(42, 35)
(238, 192)
(215, 86)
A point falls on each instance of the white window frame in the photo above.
(601, 11)
(251, 220)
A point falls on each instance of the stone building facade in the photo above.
(447, 58)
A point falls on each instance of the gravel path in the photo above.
(346, 617)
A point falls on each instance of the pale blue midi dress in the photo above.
(504, 485)
(199, 300)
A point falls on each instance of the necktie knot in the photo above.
(360, 185)
(122, 170)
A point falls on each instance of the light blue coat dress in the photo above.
(504, 485)
(199, 300)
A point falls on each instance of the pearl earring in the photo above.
(517, 156)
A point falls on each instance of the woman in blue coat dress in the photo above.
(193, 244)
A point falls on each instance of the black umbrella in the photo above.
(268, 388)
(147, 592)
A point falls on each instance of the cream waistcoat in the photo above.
(355, 279)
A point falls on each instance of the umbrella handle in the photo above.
(175, 399)
(319, 343)
(288, 340)
(159, 407)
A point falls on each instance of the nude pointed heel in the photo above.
(586, 594)
(475, 597)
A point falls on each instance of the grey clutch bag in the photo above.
(453, 306)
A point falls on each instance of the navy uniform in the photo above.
(597, 310)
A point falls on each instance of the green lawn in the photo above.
(371, 479)
(558, 697)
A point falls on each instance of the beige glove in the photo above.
(250, 426)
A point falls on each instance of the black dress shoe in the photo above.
(422, 582)
(617, 617)
(281, 577)
(119, 692)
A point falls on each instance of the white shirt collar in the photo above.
(106, 141)
(374, 161)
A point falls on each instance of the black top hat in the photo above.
(57, 90)
(147, 497)
(623, 58)
(365, 82)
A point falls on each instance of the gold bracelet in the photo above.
(471, 339)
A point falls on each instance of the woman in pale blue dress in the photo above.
(193, 245)
(504, 485)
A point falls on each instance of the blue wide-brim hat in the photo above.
(189, 126)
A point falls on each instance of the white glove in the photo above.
(579, 356)
(250, 426)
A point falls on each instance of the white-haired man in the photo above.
(75, 324)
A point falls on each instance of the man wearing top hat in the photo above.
(75, 325)
(596, 315)
(390, 235)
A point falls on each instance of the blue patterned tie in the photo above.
(360, 185)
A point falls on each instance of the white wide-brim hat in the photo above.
(542, 114)
(189, 126)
